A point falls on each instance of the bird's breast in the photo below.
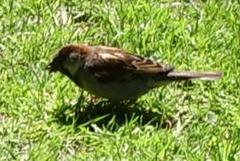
(116, 90)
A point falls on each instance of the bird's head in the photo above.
(69, 59)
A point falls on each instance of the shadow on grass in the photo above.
(110, 115)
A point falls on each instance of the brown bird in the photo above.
(116, 74)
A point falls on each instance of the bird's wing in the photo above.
(113, 64)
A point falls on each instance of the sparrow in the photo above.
(116, 74)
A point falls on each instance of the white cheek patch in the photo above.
(72, 68)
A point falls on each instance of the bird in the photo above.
(117, 74)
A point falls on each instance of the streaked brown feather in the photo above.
(110, 65)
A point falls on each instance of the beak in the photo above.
(50, 68)
(54, 65)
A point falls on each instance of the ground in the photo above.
(39, 117)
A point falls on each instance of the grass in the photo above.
(37, 109)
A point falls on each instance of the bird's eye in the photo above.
(73, 57)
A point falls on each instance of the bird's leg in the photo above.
(93, 100)
(129, 102)
(78, 105)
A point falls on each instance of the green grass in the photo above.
(37, 109)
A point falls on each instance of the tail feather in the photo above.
(189, 75)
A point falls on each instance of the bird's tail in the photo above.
(189, 75)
